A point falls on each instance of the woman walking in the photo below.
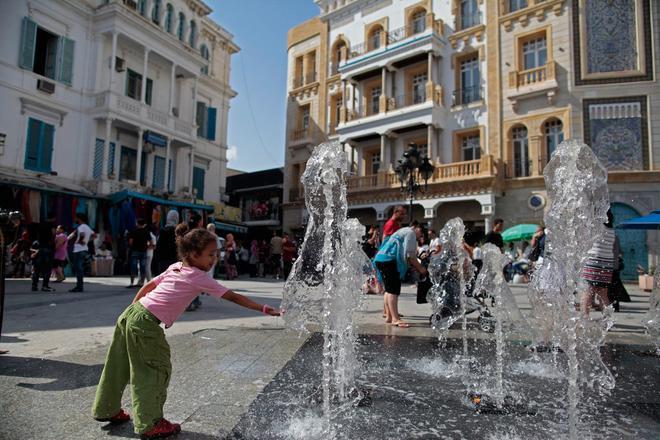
(230, 257)
(60, 255)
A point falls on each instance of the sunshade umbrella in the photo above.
(651, 221)
(519, 232)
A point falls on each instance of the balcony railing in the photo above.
(296, 194)
(519, 168)
(310, 77)
(467, 95)
(442, 173)
(532, 76)
(397, 103)
(470, 20)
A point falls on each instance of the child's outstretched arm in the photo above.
(246, 302)
(144, 290)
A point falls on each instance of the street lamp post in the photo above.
(410, 170)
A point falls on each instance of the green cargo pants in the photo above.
(139, 353)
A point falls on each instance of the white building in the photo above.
(78, 114)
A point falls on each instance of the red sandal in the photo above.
(119, 418)
(162, 428)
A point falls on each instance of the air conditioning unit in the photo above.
(147, 148)
(120, 64)
(175, 111)
(46, 86)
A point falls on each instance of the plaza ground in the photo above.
(222, 355)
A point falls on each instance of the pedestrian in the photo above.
(42, 251)
(288, 254)
(60, 256)
(434, 246)
(254, 258)
(138, 242)
(195, 222)
(81, 237)
(211, 228)
(276, 254)
(495, 236)
(20, 255)
(394, 223)
(139, 353)
(243, 257)
(165, 252)
(230, 257)
(599, 267)
(264, 258)
(151, 246)
(371, 242)
(392, 262)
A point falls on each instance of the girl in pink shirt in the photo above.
(139, 353)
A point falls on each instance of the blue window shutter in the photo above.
(65, 60)
(158, 181)
(213, 113)
(47, 139)
(28, 43)
(170, 184)
(198, 182)
(32, 145)
(111, 158)
(143, 169)
(97, 169)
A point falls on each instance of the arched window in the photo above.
(520, 151)
(182, 26)
(155, 12)
(469, 13)
(204, 52)
(169, 18)
(418, 22)
(554, 135)
(375, 38)
(193, 33)
(337, 50)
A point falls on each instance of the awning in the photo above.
(125, 194)
(231, 228)
(155, 139)
(44, 182)
(651, 221)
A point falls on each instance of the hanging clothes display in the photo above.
(91, 213)
(35, 206)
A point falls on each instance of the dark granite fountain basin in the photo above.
(416, 394)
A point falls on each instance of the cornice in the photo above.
(538, 10)
(478, 32)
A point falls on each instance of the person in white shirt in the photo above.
(151, 245)
(81, 235)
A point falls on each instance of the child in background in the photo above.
(139, 353)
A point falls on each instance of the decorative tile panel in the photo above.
(611, 36)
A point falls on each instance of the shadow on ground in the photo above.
(64, 375)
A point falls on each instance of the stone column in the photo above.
(190, 171)
(105, 166)
(113, 60)
(143, 94)
(116, 159)
(382, 100)
(430, 132)
(429, 78)
(138, 162)
(343, 117)
(194, 103)
(534, 158)
(488, 221)
(167, 164)
(172, 87)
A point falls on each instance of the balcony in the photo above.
(533, 82)
(300, 81)
(296, 194)
(443, 174)
(467, 95)
(108, 102)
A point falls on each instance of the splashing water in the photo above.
(491, 280)
(324, 286)
(576, 183)
(652, 319)
(449, 278)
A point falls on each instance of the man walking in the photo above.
(81, 235)
(276, 254)
(42, 257)
(138, 243)
(495, 236)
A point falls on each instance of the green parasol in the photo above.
(519, 232)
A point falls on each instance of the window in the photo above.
(142, 7)
(418, 22)
(374, 101)
(198, 182)
(514, 5)
(155, 12)
(470, 81)
(204, 52)
(374, 163)
(520, 152)
(338, 104)
(158, 181)
(193, 34)
(298, 79)
(375, 37)
(304, 117)
(206, 120)
(337, 56)
(134, 86)
(535, 53)
(39, 146)
(127, 163)
(182, 26)
(469, 13)
(46, 53)
(471, 147)
(419, 88)
(169, 18)
(554, 135)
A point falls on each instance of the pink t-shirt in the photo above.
(176, 288)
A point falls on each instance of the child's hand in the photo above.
(268, 310)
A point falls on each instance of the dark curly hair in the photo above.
(194, 241)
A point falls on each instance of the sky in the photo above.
(258, 73)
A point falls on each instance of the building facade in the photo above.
(112, 95)
(487, 89)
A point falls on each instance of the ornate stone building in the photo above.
(488, 89)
